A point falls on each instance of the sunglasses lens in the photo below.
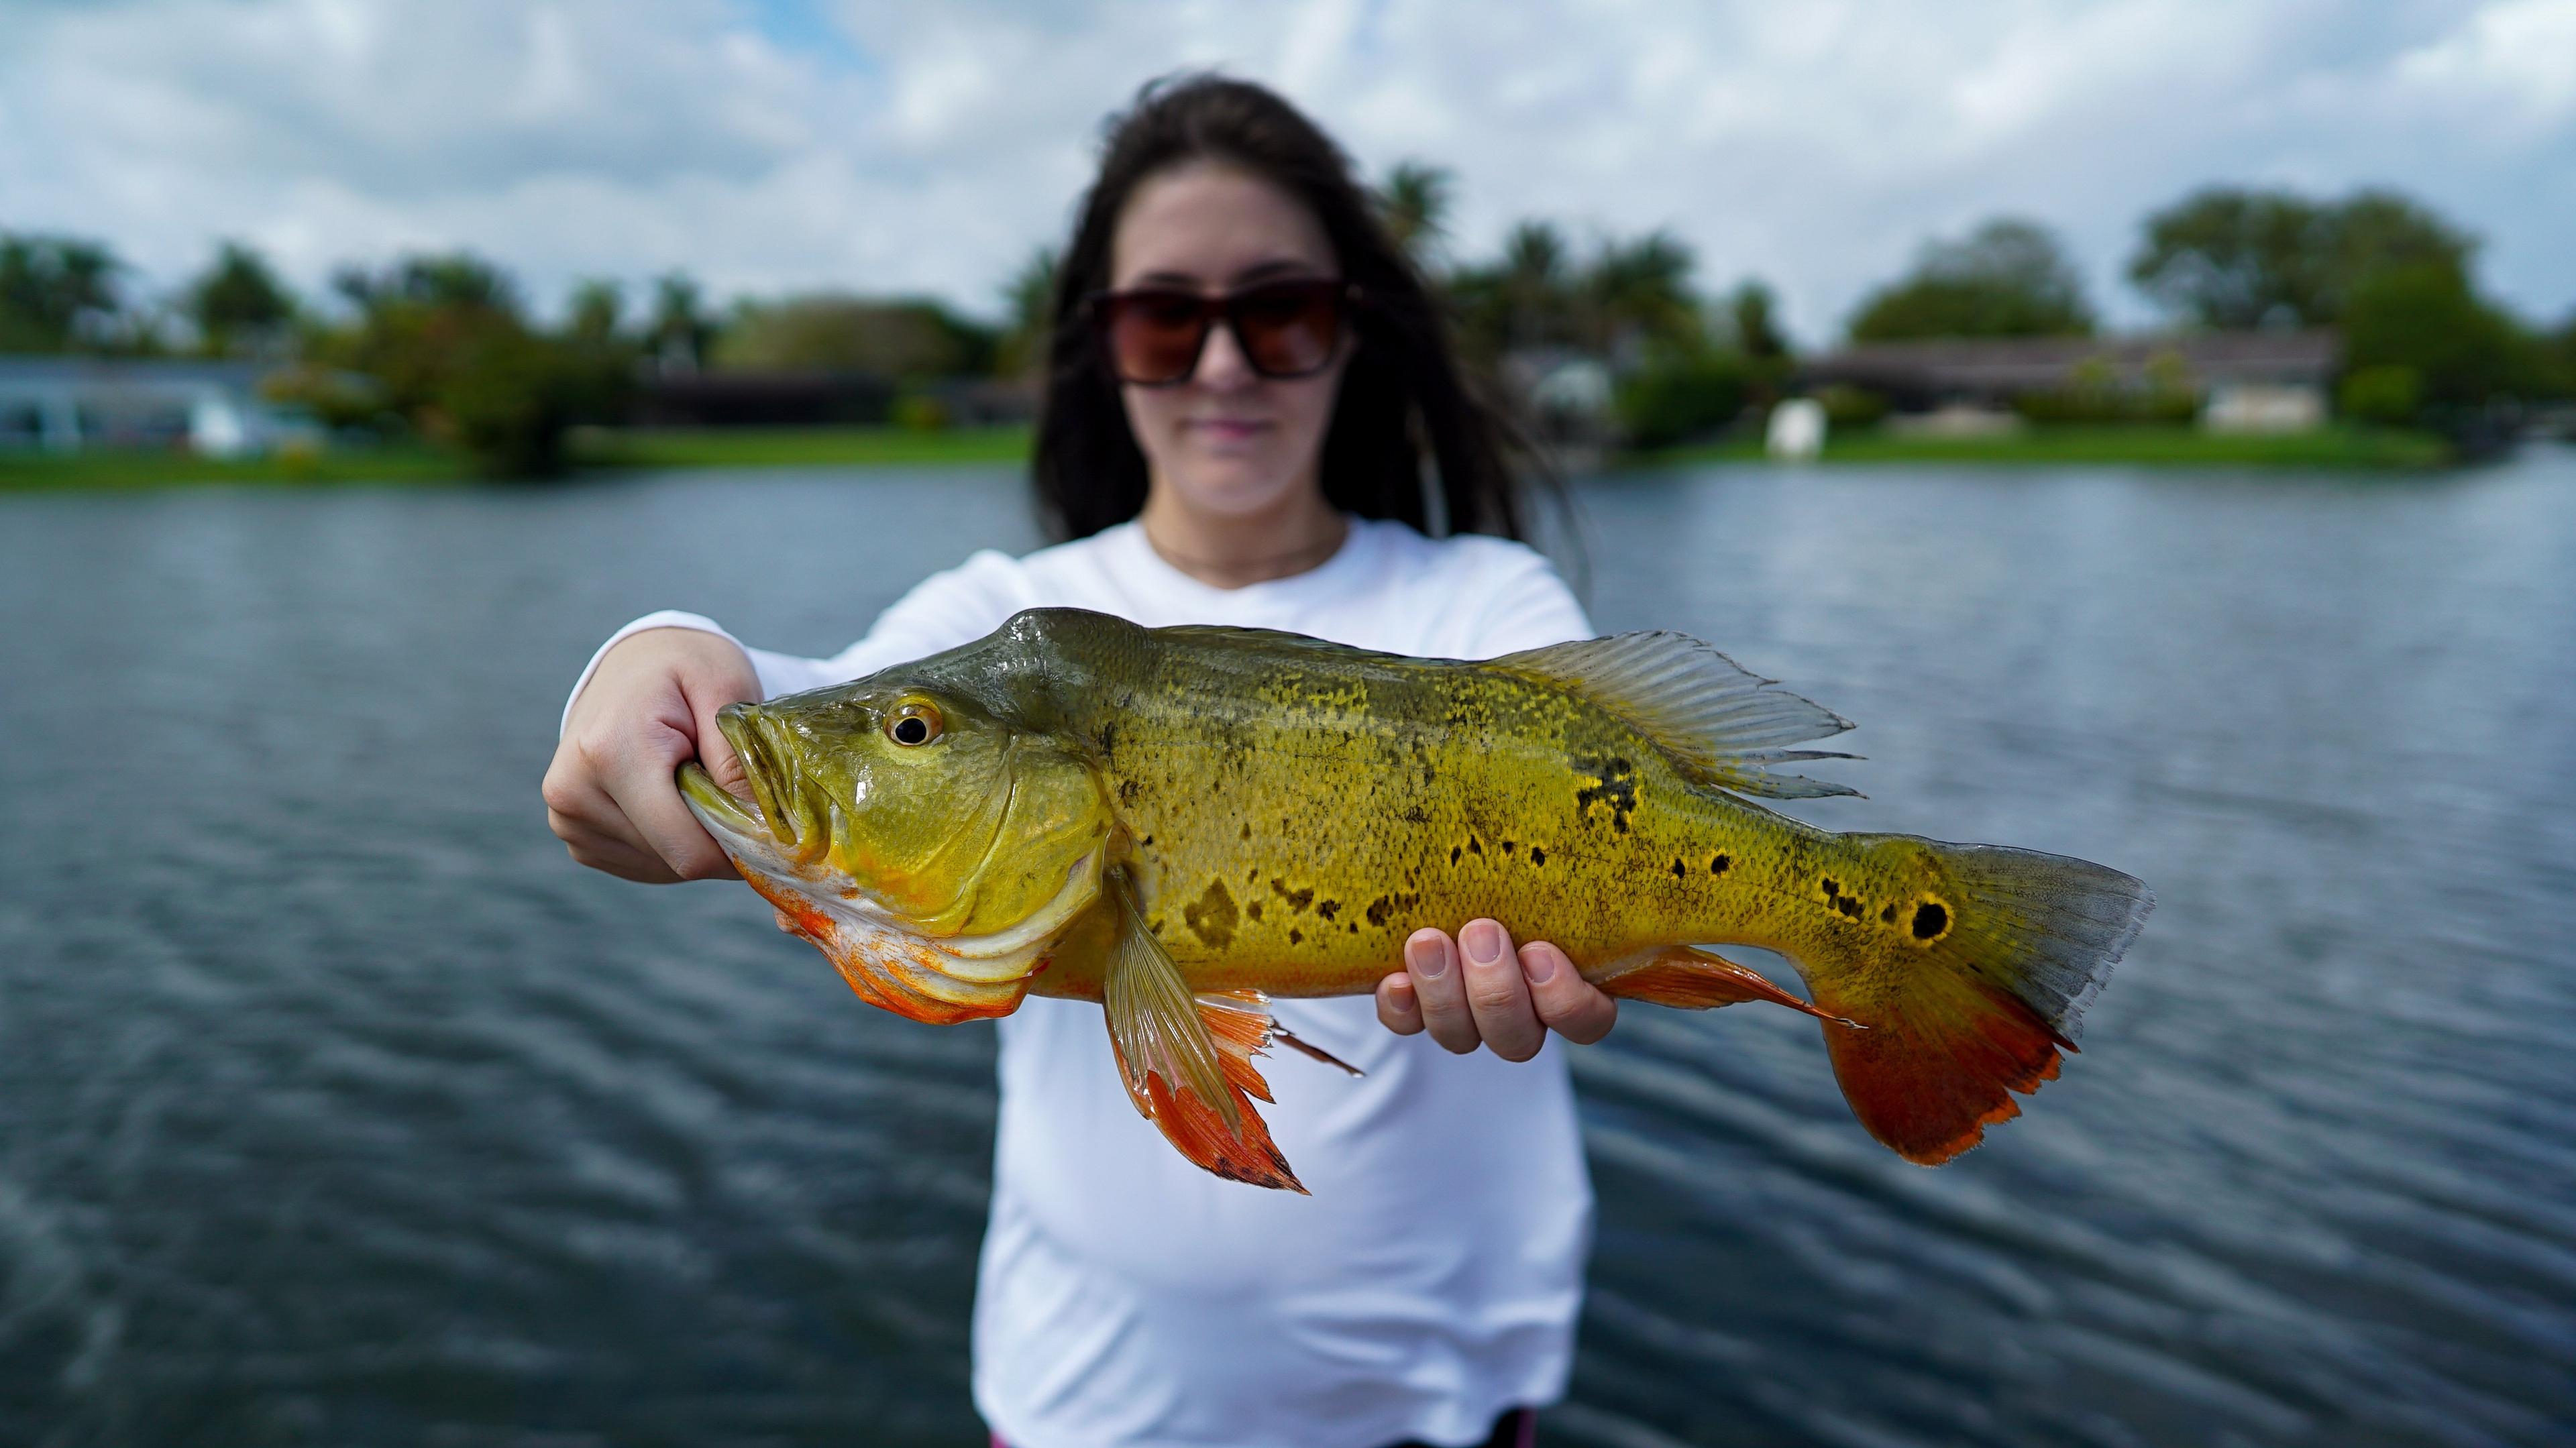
(1288, 330)
(1154, 337)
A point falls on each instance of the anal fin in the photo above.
(1699, 980)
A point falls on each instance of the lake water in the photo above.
(337, 1107)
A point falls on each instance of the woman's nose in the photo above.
(1221, 362)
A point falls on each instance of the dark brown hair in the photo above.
(1402, 395)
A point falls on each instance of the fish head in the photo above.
(932, 849)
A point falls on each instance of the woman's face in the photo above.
(1227, 442)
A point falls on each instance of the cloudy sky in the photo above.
(773, 144)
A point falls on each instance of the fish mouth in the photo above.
(792, 821)
(741, 827)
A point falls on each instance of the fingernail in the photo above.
(1429, 956)
(1484, 941)
(1539, 966)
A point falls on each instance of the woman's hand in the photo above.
(1476, 990)
(610, 796)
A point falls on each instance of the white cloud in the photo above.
(903, 146)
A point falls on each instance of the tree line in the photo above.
(445, 346)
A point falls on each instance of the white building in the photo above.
(66, 404)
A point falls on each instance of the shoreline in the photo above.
(597, 453)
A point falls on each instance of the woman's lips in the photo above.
(1230, 429)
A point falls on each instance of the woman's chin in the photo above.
(1236, 487)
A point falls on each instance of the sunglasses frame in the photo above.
(1099, 311)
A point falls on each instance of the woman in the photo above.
(1246, 375)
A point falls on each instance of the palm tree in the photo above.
(1414, 203)
(1639, 291)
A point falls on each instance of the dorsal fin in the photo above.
(1720, 723)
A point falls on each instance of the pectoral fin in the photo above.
(1186, 1059)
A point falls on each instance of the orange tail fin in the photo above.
(1977, 990)
(1239, 1024)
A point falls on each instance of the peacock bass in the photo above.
(1181, 823)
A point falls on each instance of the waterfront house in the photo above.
(67, 404)
(2235, 381)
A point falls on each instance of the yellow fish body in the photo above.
(1182, 822)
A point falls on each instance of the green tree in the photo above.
(2237, 258)
(447, 352)
(1682, 392)
(2009, 278)
(238, 304)
(2426, 318)
(902, 338)
(1028, 301)
(601, 354)
(680, 332)
(1414, 204)
(1753, 318)
(1637, 292)
(56, 293)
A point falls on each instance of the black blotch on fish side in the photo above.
(1453, 854)
(1378, 908)
(1717, 863)
(1930, 919)
(1252, 910)
(1537, 855)
(1328, 908)
(1677, 867)
(1297, 900)
(1888, 915)
(1473, 847)
(1614, 784)
(1211, 916)
(1296, 937)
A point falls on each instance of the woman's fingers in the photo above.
(1476, 990)
(1497, 993)
(1568, 1004)
(641, 783)
(1440, 990)
(1398, 1009)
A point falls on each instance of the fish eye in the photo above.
(913, 722)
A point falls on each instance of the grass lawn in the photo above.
(2334, 447)
(798, 447)
(401, 463)
(624, 449)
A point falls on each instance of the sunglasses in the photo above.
(1152, 336)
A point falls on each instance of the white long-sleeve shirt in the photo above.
(1127, 1298)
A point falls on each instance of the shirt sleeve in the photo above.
(940, 612)
(1527, 605)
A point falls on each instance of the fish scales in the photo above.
(1295, 824)
(1181, 823)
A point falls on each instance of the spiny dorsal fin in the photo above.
(1720, 723)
